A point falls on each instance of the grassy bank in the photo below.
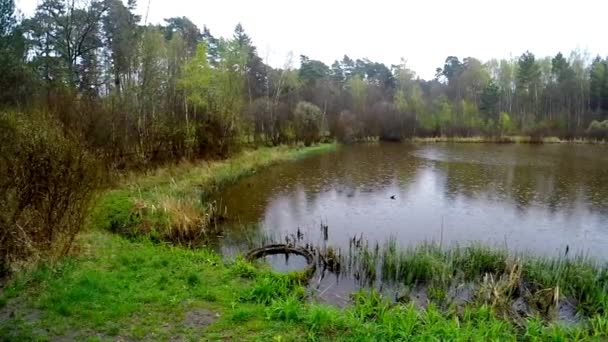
(172, 203)
(121, 289)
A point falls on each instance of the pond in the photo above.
(538, 199)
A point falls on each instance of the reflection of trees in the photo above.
(558, 178)
(559, 182)
(350, 172)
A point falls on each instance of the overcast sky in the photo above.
(424, 32)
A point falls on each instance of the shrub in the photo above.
(47, 181)
(308, 119)
(505, 124)
(394, 124)
(347, 129)
(598, 130)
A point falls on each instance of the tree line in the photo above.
(133, 91)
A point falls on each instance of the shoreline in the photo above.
(171, 203)
(505, 140)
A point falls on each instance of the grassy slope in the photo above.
(120, 289)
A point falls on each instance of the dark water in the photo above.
(286, 262)
(533, 198)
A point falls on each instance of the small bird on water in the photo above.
(393, 197)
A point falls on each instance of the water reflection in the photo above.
(532, 198)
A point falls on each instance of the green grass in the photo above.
(136, 289)
(121, 288)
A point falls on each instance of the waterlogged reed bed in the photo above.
(517, 286)
(172, 203)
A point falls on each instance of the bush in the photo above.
(598, 130)
(308, 119)
(47, 181)
(395, 125)
(505, 125)
(347, 130)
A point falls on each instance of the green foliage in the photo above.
(16, 78)
(505, 124)
(423, 265)
(311, 70)
(115, 211)
(598, 85)
(358, 90)
(470, 115)
(490, 100)
(243, 268)
(196, 79)
(7, 17)
(400, 101)
(285, 309)
(268, 287)
(308, 120)
(322, 318)
(369, 305)
(144, 94)
(478, 260)
(444, 113)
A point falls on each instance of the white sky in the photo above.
(424, 32)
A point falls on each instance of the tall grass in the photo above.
(496, 277)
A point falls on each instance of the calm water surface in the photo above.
(533, 198)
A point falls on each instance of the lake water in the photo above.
(533, 198)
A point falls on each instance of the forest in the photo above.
(136, 92)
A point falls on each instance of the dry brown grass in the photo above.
(186, 221)
(498, 290)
